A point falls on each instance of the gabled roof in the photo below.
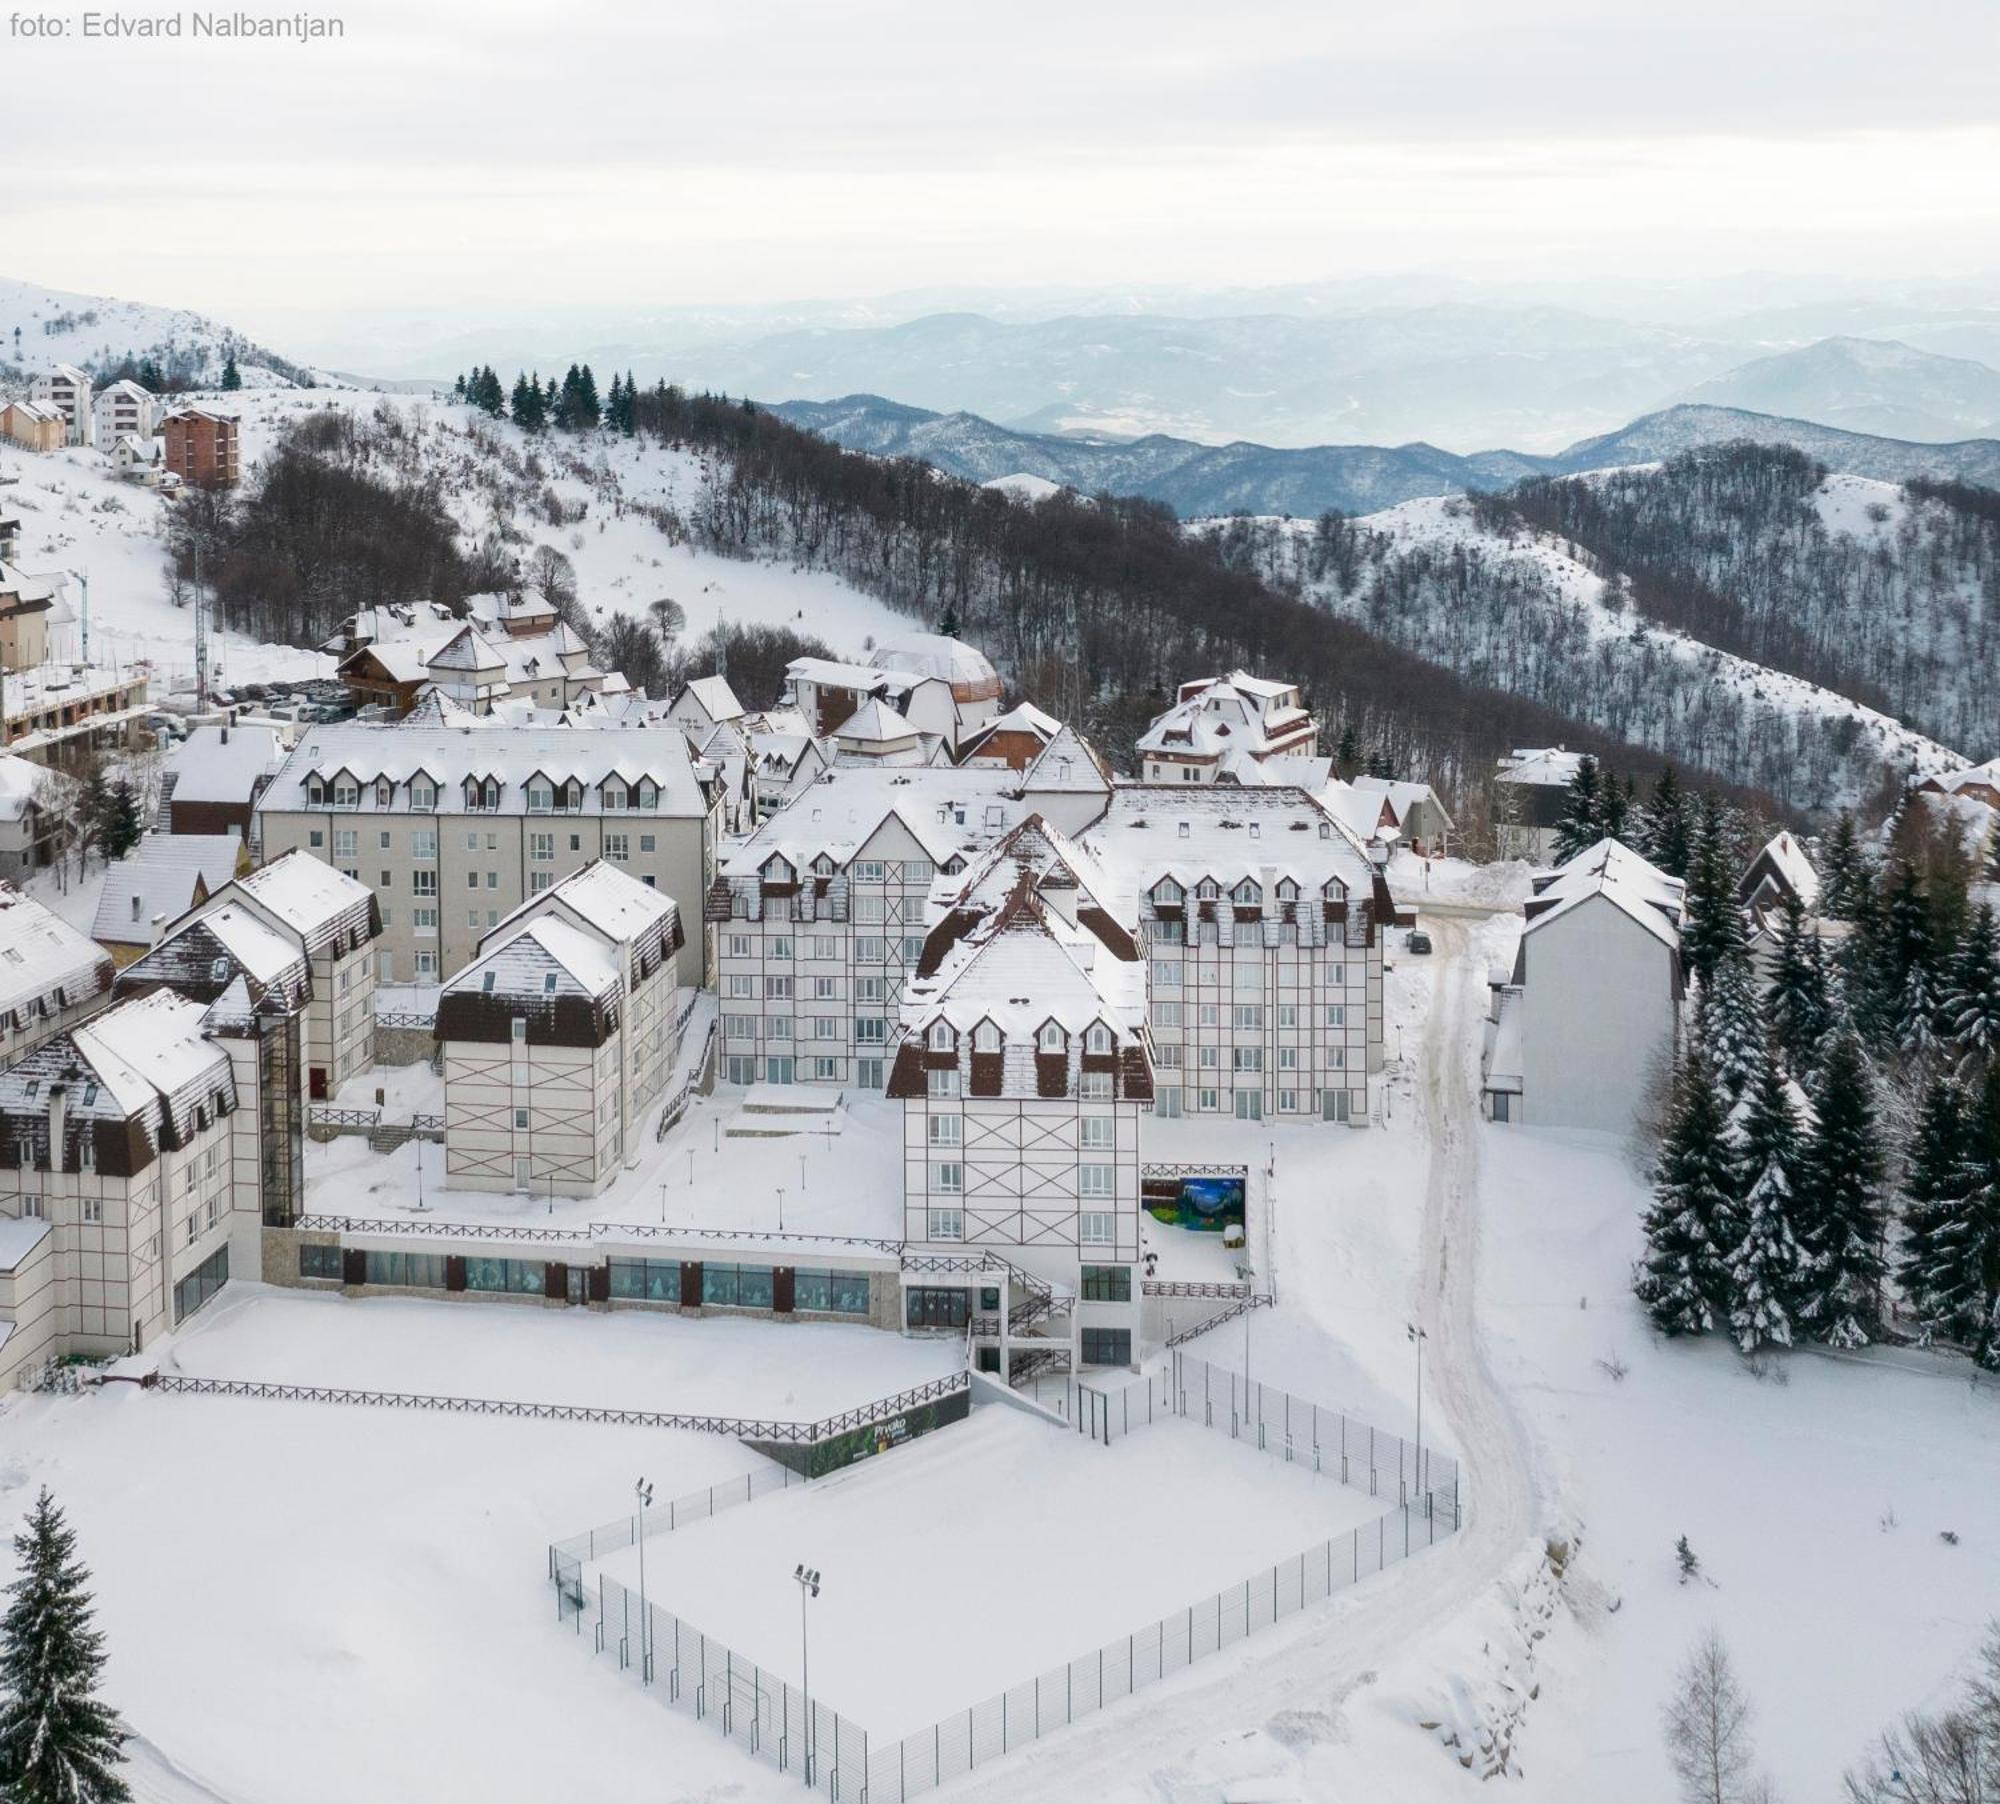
(1546, 766)
(521, 962)
(145, 1050)
(949, 811)
(41, 952)
(1067, 764)
(935, 655)
(160, 879)
(602, 897)
(1617, 875)
(224, 764)
(874, 723)
(718, 701)
(1784, 856)
(21, 785)
(303, 892)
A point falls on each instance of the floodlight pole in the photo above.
(808, 1582)
(781, 1208)
(644, 1492)
(1419, 1336)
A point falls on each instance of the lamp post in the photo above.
(663, 1202)
(781, 1208)
(644, 1492)
(1418, 1336)
(808, 1582)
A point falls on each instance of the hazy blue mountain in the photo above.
(1865, 385)
(1197, 480)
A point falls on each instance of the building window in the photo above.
(739, 945)
(519, 1028)
(1107, 1284)
(826, 1071)
(780, 945)
(1096, 1228)
(826, 1027)
(943, 1083)
(343, 842)
(541, 847)
(617, 847)
(93, 1206)
(1247, 1014)
(941, 1038)
(870, 948)
(1107, 1346)
(948, 1178)
(777, 989)
(1094, 1180)
(541, 799)
(736, 1286)
(947, 1130)
(409, 1271)
(1094, 1086)
(934, 1306)
(520, 1118)
(200, 1284)
(426, 963)
(742, 985)
(1336, 1016)
(1247, 1058)
(825, 945)
(518, 1277)
(1098, 1130)
(830, 1292)
(871, 1030)
(319, 1261)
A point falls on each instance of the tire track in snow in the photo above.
(1308, 1666)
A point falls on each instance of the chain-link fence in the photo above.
(766, 1714)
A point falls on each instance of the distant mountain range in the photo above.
(1199, 480)
(42, 327)
(1866, 385)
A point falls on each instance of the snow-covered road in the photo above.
(1294, 1679)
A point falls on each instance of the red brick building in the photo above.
(203, 448)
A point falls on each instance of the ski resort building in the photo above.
(121, 410)
(66, 389)
(1216, 721)
(31, 825)
(1262, 920)
(213, 777)
(703, 704)
(203, 448)
(558, 1035)
(33, 425)
(156, 883)
(51, 976)
(1530, 792)
(1583, 1030)
(942, 688)
(1011, 741)
(1780, 873)
(455, 827)
(130, 1169)
(1022, 1063)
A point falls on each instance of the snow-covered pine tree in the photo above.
(1665, 831)
(1614, 809)
(1798, 1007)
(1971, 1010)
(1932, 1181)
(1847, 878)
(1715, 928)
(232, 377)
(1684, 1279)
(1767, 1266)
(58, 1743)
(1731, 1022)
(1582, 823)
(1961, 1277)
(1839, 1222)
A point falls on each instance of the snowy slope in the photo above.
(41, 327)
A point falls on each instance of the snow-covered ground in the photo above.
(528, 1352)
(986, 1553)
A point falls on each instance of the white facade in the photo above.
(455, 827)
(67, 389)
(1530, 793)
(558, 1036)
(1217, 722)
(122, 410)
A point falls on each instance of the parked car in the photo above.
(1419, 941)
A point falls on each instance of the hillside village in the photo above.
(844, 1057)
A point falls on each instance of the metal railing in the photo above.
(1256, 1300)
(744, 1428)
(1177, 1287)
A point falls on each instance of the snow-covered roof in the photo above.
(1550, 765)
(522, 963)
(1784, 855)
(124, 388)
(450, 756)
(223, 764)
(36, 410)
(20, 785)
(1983, 776)
(1068, 764)
(156, 881)
(1621, 877)
(41, 952)
(149, 1048)
(948, 811)
(601, 896)
(303, 892)
(1217, 715)
(20, 1235)
(1403, 795)
(1188, 832)
(265, 954)
(1056, 861)
(716, 698)
(874, 723)
(934, 655)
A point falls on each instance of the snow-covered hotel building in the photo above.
(558, 1035)
(1022, 1063)
(51, 976)
(455, 827)
(129, 1168)
(67, 389)
(1218, 722)
(1262, 919)
(822, 911)
(944, 689)
(1583, 1029)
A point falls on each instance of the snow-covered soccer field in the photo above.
(986, 1553)
(527, 1352)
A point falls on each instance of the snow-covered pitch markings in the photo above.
(939, 1491)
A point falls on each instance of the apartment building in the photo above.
(942, 688)
(822, 911)
(211, 779)
(33, 815)
(121, 410)
(129, 1168)
(1219, 724)
(203, 447)
(66, 389)
(1262, 920)
(1023, 1067)
(156, 883)
(559, 1034)
(455, 827)
(51, 976)
(33, 425)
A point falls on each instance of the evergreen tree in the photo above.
(948, 626)
(1684, 1279)
(1848, 880)
(1380, 764)
(1970, 1015)
(150, 378)
(1614, 814)
(1957, 1285)
(122, 825)
(1666, 835)
(1732, 1022)
(614, 402)
(1933, 1186)
(1766, 1267)
(232, 377)
(487, 394)
(58, 1743)
(458, 389)
(1798, 1006)
(588, 411)
(1839, 1221)
(1349, 754)
(528, 407)
(1582, 823)
(93, 806)
(1898, 998)
(628, 418)
(1715, 929)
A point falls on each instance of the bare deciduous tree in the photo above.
(1707, 1722)
(1949, 1759)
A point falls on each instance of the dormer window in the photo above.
(541, 796)
(346, 793)
(646, 794)
(218, 970)
(952, 866)
(1097, 1038)
(614, 796)
(823, 866)
(1246, 894)
(942, 1039)
(384, 791)
(1288, 891)
(315, 793)
(1168, 894)
(1051, 1038)
(986, 1037)
(486, 983)
(1187, 830)
(423, 794)
(1207, 889)
(572, 795)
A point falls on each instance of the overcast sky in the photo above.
(685, 151)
